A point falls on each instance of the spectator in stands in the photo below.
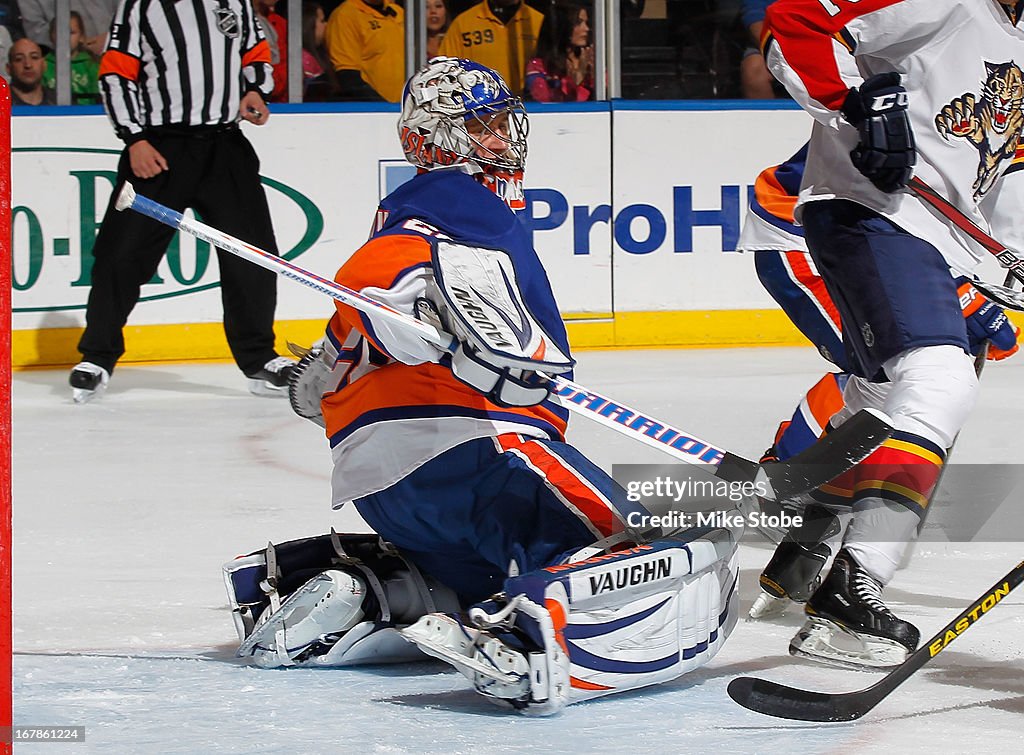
(5, 49)
(10, 19)
(96, 15)
(85, 68)
(26, 65)
(366, 42)
(500, 34)
(438, 21)
(319, 82)
(275, 29)
(756, 82)
(563, 70)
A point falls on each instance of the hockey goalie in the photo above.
(499, 547)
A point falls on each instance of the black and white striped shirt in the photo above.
(181, 63)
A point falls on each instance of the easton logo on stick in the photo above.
(953, 631)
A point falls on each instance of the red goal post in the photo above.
(5, 415)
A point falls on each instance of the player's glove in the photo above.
(885, 153)
(986, 321)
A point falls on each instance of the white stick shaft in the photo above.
(572, 396)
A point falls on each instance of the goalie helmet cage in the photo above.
(5, 417)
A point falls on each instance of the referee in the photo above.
(175, 78)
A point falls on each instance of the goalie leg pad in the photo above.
(283, 615)
(315, 615)
(607, 624)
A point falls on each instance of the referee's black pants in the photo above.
(216, 173)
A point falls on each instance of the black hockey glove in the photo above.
(886, 152)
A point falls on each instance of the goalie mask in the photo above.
(457, 112)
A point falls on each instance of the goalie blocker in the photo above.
(503, 350)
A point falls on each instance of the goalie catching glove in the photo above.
(314, 375)
(503, 351)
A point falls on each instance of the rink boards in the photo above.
(635, 210)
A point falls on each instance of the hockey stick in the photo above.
(817, 465)
(778, 700)
(1001, 295)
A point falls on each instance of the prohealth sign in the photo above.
(629, 210)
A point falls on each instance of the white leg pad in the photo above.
(328, 604)
(607, 624)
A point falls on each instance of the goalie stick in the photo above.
(1001, 295)
(781, 701)
(824, 461)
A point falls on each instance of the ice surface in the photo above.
(125, 509)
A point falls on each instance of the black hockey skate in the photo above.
(272, 378)
(849, 625)
(87, 381)
(793, 573)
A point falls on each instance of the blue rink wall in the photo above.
(634, 207)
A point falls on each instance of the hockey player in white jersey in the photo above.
(508, 553)
(897, 88)
(787, 272)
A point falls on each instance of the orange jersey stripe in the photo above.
(258, 54)
(588, 502)
(773, 197)
(120, 64)
(825, 399)
(799, 263)
(378, 264)
(381, 389)
(425, 386)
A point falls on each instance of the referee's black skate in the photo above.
(87, 381)
(272, 378)
(849, 625)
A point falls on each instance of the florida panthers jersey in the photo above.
(398, 405)
(961, 65)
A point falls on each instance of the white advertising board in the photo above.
(630, 209)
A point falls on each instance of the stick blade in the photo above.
(780, 701)
(832, 455)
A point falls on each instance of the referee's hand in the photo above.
(146, 162)
(254, 109)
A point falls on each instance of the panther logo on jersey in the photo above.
(993, 123)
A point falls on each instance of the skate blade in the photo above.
(263, 389)
(827, 642)
(768, 607)
(82, 396)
